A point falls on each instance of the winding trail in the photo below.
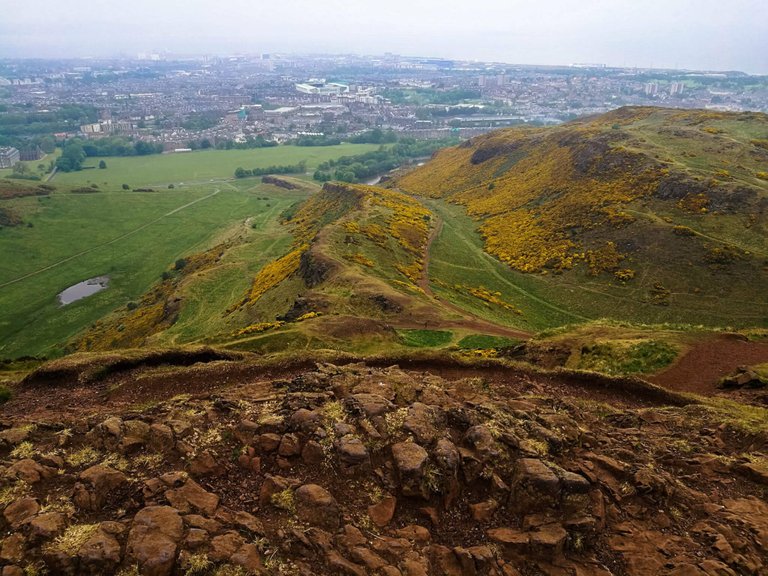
(107, 243)
(469, 320)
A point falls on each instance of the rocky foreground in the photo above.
(354, 470)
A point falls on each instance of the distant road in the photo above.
(121, 237)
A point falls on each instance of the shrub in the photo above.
(5, 394)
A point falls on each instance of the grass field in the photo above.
(200, 166)
(132, 237)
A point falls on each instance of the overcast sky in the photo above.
(697, 34)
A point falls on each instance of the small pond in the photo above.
(83, 289)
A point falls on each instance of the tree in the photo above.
(102, 165)
(126, 187)
(20, 168)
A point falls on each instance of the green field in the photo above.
(200, 166)
(132, 237)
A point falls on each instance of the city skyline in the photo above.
(681, 34)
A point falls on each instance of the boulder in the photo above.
(153, 540)
(316, 506)
(20, 510)
(381, 513)
(410, 460)
(192, 496)
(96, 484)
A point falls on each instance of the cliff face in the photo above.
(360, 470)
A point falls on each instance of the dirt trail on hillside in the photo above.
(470, 321)
(700, 369)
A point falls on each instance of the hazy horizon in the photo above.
(682, 34)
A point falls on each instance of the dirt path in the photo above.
(117, 239)
(469, 320)
(702, 366)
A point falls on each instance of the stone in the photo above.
(96, 485)
(382, 512)
(101, 553)
(534, 484)
(483, 511)
(13, 548)
(192, 496)
(341, 565)
(248, 557)
(367, 557)
(420, 421)
(224, 546)
(20, 510)
(47, 525)
(161, 438)
(29, 471)
(135, 436)
(313, 453)
(203, 464)
(316, 506)
(268, 442)
(153, 540)
(446, 455)
(372, 404)
(415, 533)
(410, 460)
(290, 445)
(352, 452)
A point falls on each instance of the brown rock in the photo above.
(16, 435)
(192, 496)
(161, 438)
(446, 455)
(13, 548)
(248, 557)
(372, 404)
(135, 435)
(19, 510)
(415, 533)
(352, 452)
(96, 485)
(381, 513)
(313, 453)
(29, 471)
(341, 565)
(367, 557)
(445, 562)
(420, 421)
(410, 460)
(268, 442)
(204, 464)
(289, 445)
(483, 511)
(101, 552)
(316, 506)
(47, 525)
(153, 540)
(224, 546)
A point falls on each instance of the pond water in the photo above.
(83, 289)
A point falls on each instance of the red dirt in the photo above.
(700, 369)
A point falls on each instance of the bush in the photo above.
(5, 394)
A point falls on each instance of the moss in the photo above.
(73, 538)
(284, 500)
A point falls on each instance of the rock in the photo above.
(290, 445)
(481, 439)
(192, 496)
(753, 472)
(483, 511)
(47, 525)
(372, 404)
(313, 453)
(420, 421)
(248, 557)
(446, 455)
(415, 533)
(96, 485)
(268, 442)
(16, 435)
(101, 553)
(549, 538)
(352, 452)
(196, 538)
(19, 510)
(445, 562)
(367, 557)
(341, 565)
(135, 436)
(12, 571)
(29, 471)
(204, 464)
(511, 537)
(381, 513)
(13, 548)
(534, 484)
(153, 540)
(161, 438)
(273, 485)
(224, 546)
(316, 506)
(410, 460)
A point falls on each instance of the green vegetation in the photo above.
(133, 238)
(485, 342)
(200, 166)
(627, 357)
(425, 338)
(5, 394)
(644, 214)
(360, 167)
(299, 168)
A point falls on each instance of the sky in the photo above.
(689, 34)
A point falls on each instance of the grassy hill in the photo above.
(643, 214)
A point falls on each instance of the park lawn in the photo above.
(132, 237)
(199, 166)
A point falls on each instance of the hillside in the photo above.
(146, 465)
(643, 214)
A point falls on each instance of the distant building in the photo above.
(8, 157)
(321, 88)
(31, 153)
